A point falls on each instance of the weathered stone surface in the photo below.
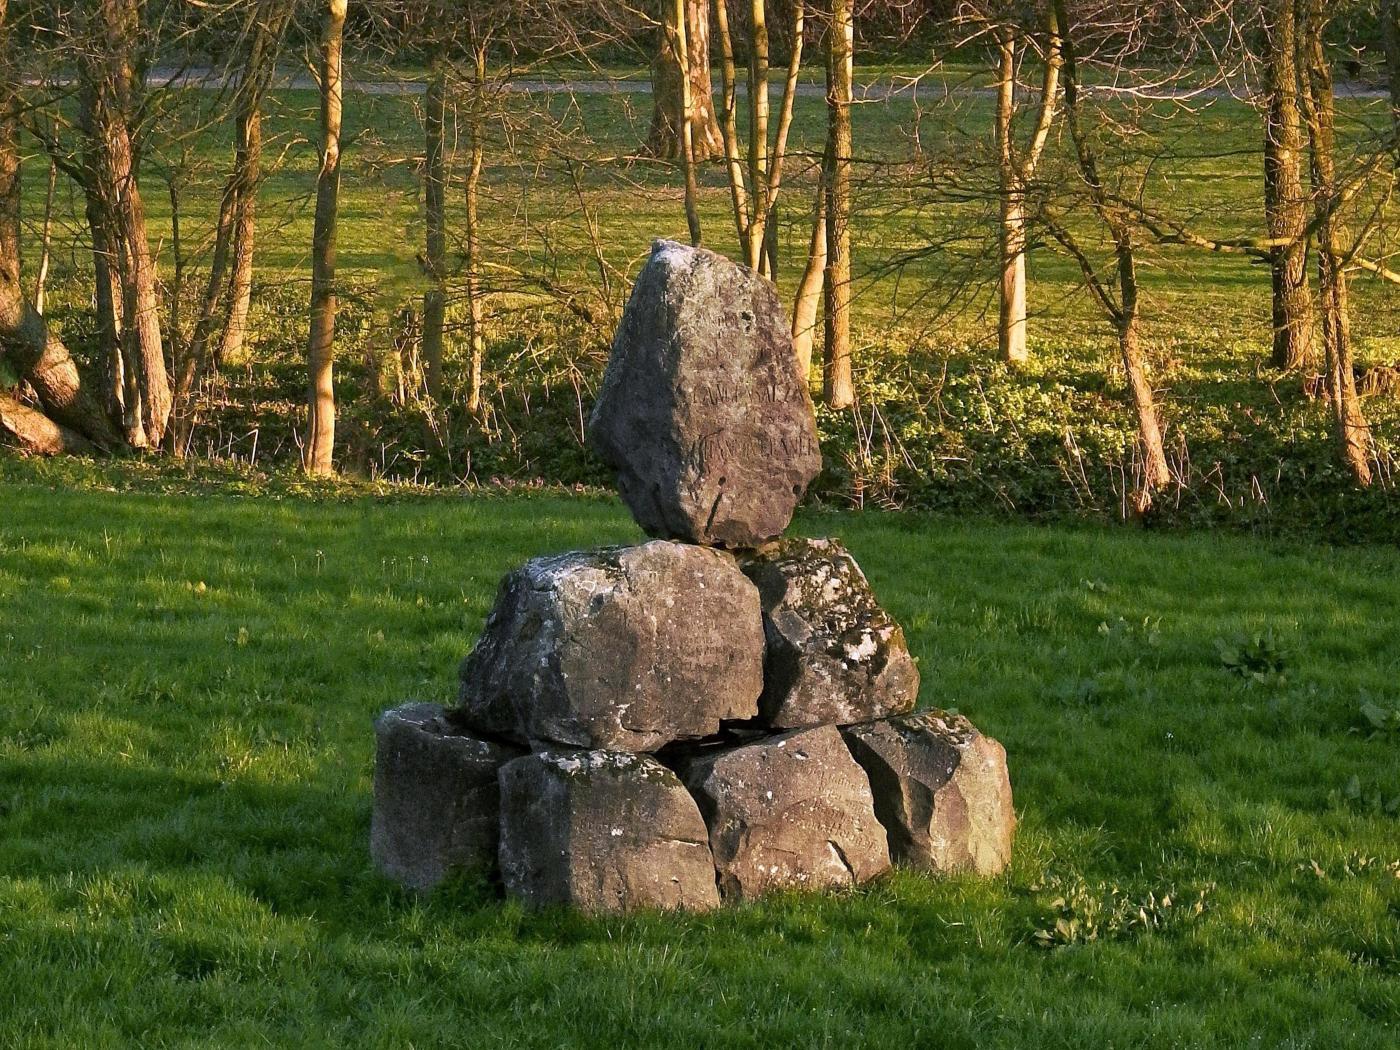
(702, 411)
(602, 831)
(941, 789)
(834, 656)
(789, 811)
(436, 800)
(626, 648)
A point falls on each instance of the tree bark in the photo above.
(41, 279)
(109, 83)
(1285, 204)
(1353, 434)
(320, 348)
(807, 303)
(38, 358)
(476, 162)
(668, 88)
(1011, 327)
(837, 384)
(1015, 171)
(36, 433)
(434, 197)
(1125, 312)
(1156, 474)
(248, 172)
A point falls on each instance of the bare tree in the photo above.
(1122, 303)
(320, 350)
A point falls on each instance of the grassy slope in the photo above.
(186, 686)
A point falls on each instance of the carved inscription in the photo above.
(774, 390)
(726, 446)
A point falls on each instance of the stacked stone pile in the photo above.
(714, 714)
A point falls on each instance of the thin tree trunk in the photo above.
(320, 348)
(195, 361)
(270, 18)
(1011, 328)
(1285, 204)
(729, 127)
(758, 133)
(668, 100)
(807, 303)
(1015, 173)
(1156, 473)
(476, 162)
(687, 153)
(837, 384)
(248, 171)
(1125, 313)
(434, 197)
(1352, 432)
(1390, 36)
(41, 279)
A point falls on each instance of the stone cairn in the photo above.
(712, 715)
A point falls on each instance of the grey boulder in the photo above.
(436, 800)
(626, 648)
(942, 790)
(602, 831)
(788, 812)
(833, 656)
(703, 411)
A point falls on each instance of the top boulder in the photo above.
(703, 411)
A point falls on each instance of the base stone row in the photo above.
(823, 807)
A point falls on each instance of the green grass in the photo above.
(187, 681)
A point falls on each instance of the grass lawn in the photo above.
(186, 688)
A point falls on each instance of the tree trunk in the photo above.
(1352, 432)
(434, 195)
(1285, 204)
(758, 133)
(39, 359)
(108, 297)
(36, 433)
(41, 279)
(837, 384)
(108, 85)
(320, 347)
(668, 88)
(248, 172)
(476, 162)
(1125, 312)
(809, 290)
(1155, 472)
(1011, 327)
(270, 19)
